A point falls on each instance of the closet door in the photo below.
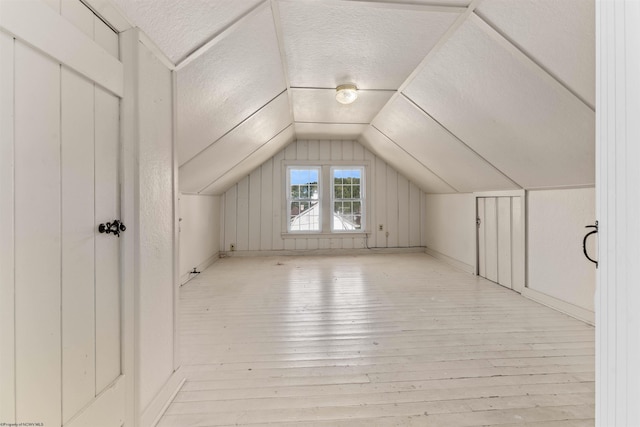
(491, 238)
(504, 241)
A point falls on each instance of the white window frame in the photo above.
(288, 198)
(361, 199)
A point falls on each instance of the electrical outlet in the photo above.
(380, 227)
(232, 247)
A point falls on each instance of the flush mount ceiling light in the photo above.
(346, 94)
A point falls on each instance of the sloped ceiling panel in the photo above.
(179, 27)
(459, 166)
(329, 131)
(255, 159)
(566, 44)
(404, 163)
(320, 106)
(492, 97)
(234, 147)
(239, 74)
(328, 44)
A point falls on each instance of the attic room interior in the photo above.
(319, 213)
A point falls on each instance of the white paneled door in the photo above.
(500, 240)
(66, 284)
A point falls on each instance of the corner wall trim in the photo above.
(156, 409)
(559, 305)
(451, 261)
(200, 267)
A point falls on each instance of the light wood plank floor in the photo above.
(374, 340)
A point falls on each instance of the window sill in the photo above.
(323, 235)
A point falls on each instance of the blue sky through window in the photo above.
(303, 176)
(346, 173)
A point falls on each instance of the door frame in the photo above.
(523, 217)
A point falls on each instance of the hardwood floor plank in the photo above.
(374, 340)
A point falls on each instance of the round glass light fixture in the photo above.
(346, 94)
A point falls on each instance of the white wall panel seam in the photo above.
(221, 35)
(464, 144)
(414, 158)
(495, 27)
(243, 159)
(233, 128)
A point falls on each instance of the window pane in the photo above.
(356, 191)
(314, 192)
(356, 208)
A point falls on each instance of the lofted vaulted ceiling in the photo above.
(457, 95)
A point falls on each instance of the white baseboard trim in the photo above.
(451, 261)
(152, 414)
(323, 252)
(562, 306)
(200, 267)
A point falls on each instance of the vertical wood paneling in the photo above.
(37, 237)
(618, 210)
(107, 249)
(347, 150)
(504, 241)
(242, 243)
(517, 241)
(325, 150)
(78, 292)
(414, 215)
(423, 219)
(403, 211)
(336, 150)
(314, 150)
(491, 238)
(482, 241)
(7, 279)
(255, 209)
(381, 203)
(393, 201)
(392, 207)
(230, 217)
(267, 205)
(302, 150)
(105, 37)
(277, 186)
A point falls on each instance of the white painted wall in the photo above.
(199, 232)
(252, 209)
(155, 227)
(555, 229)
(450, 226)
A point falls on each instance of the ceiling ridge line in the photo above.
(234, 128)
(523, 51)
(246, 157)
(446, 129)
(219, 36)
(331, 123)
(333, 88)
(443, 40)
(402, 4)
(414, 158)
(277, 24)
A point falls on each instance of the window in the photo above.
(324, 198)
(303, 199)
(347, 198)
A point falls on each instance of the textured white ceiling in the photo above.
(436, 148)
(492, 99)
(320, 106)
(231, 81)
(234, 147)
(558, 34)
(328, 44)
(179, 26)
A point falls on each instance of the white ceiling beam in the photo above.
(216, 38)
(513, 44)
